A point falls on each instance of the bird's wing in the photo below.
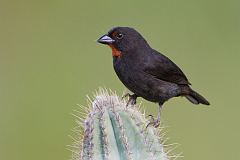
(163, 68)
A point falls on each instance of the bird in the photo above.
(146, 72)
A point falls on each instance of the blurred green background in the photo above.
(49, 61)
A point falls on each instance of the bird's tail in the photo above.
(195, 97)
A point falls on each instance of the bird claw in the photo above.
(131, 99)
(155, 122)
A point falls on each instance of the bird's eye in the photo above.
(119, 36)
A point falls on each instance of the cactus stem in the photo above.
(108, 130)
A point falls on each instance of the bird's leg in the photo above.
(153, 121)
(132, 99)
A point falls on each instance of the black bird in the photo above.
(146, 72)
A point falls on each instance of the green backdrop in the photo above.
(49, 61)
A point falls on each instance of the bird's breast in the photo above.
(125, 71)
(132, 77)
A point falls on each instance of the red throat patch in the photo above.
(115, 52)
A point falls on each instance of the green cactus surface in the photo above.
(112, 131)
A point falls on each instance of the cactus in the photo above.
(112, 131)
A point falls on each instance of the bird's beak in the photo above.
(105, 39)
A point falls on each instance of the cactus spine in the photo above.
(112, 131)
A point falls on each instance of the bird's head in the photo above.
(122, 40)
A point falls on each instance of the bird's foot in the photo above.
(132, 99)
(155, 122)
